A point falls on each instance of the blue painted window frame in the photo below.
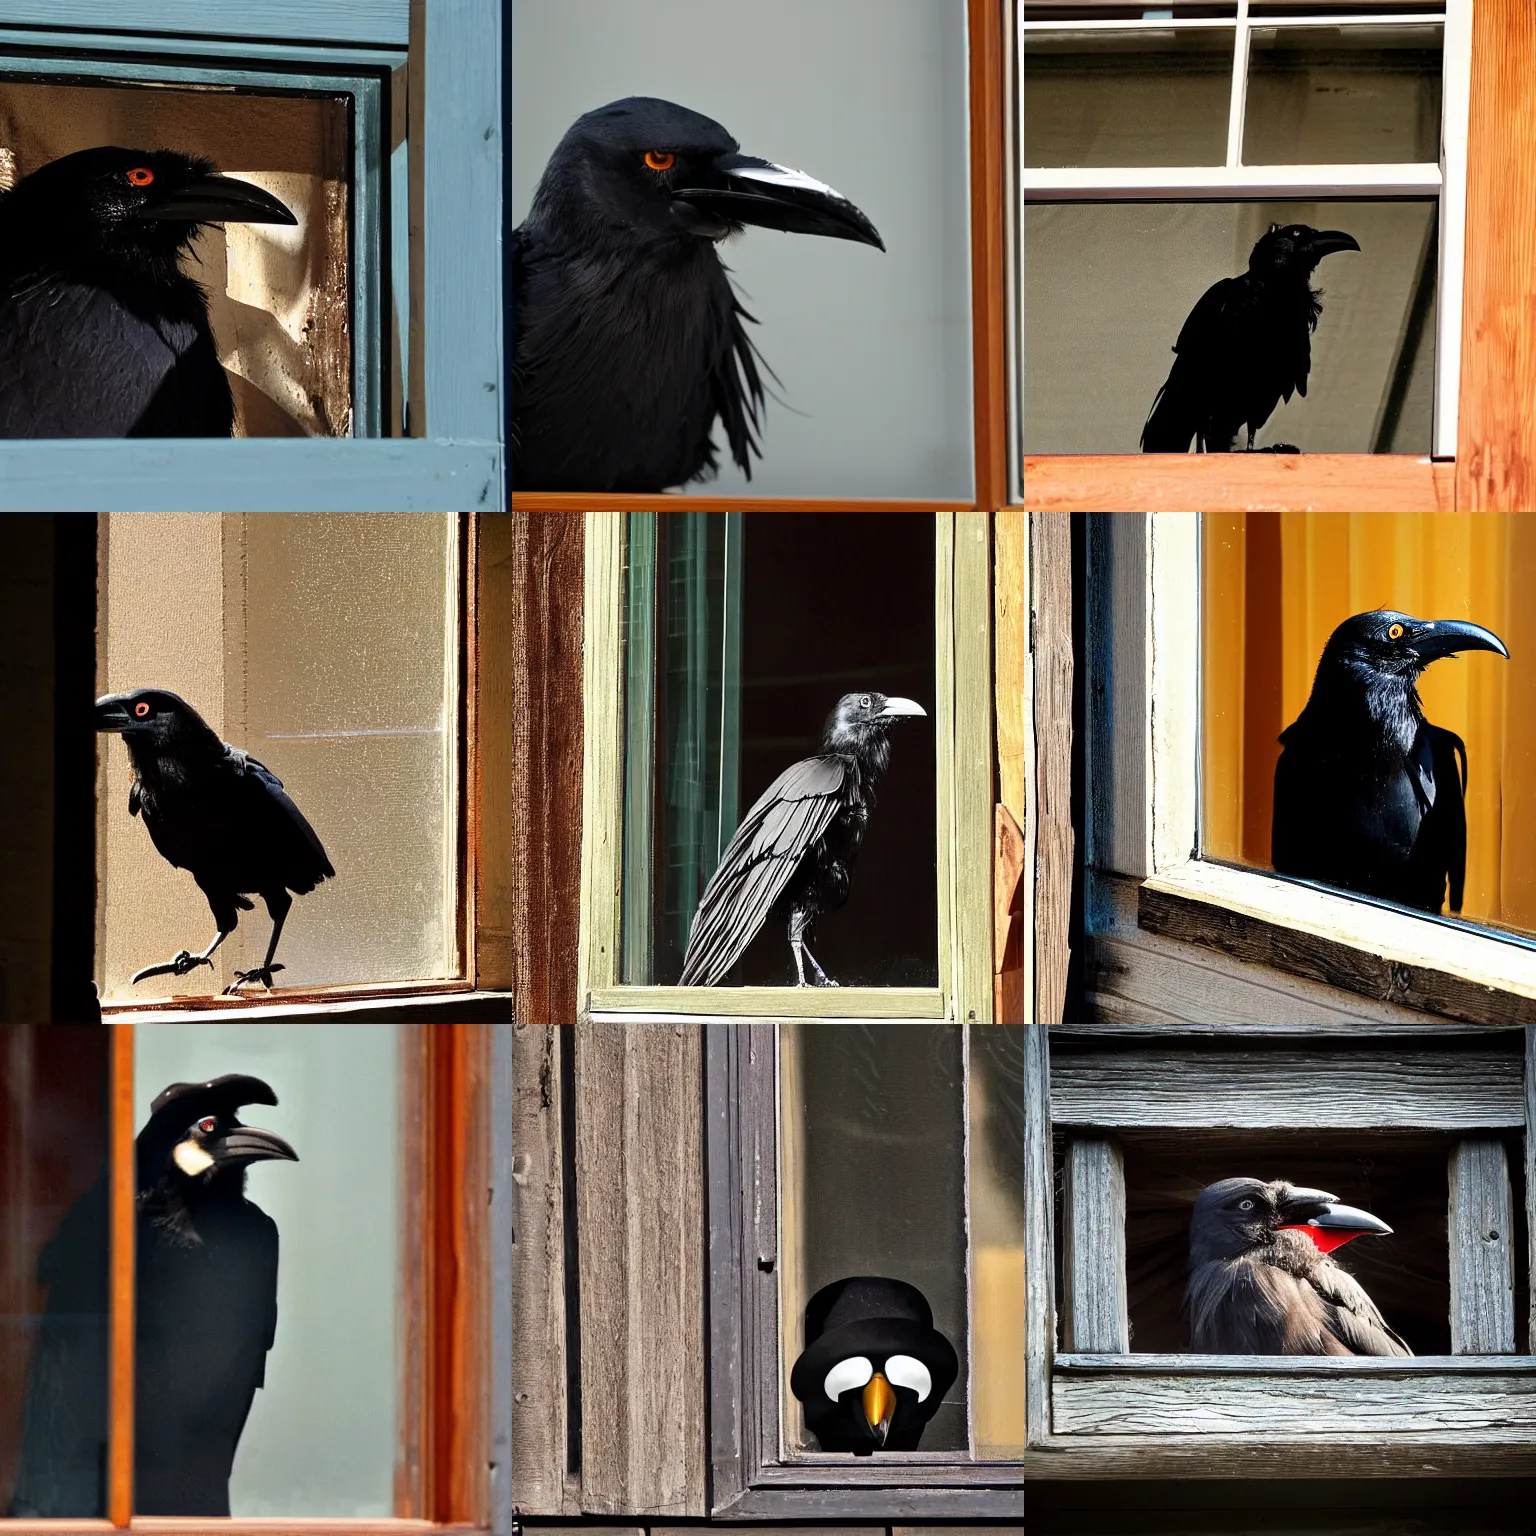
(348, 47)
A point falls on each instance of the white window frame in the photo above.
(1446, 180)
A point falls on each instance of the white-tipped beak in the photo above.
(897, 707)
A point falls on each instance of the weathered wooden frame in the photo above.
(750, 1478)
(1095, 1410)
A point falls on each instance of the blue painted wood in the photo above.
(383, 22)
(462, 230)
(261, 474)
(301, 55)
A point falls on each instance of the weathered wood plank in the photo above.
(1051, 616)
(1039, 1258)
(1329, 1366)
(1481, 1223)
(1377, 1405)
(1094, 1259)
(1358, 1089)
(1530, 1177)
(1008, 920)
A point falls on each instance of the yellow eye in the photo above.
(659, 159)
(1395, 633)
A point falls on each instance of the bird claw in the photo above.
(178, 965)
(262, 973)
(1277, 448)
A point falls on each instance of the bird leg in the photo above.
(798, 923)
(277, 907)
(182, 961)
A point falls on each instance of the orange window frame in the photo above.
(441, 1481)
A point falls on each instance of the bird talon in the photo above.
(178, 965)
(262, 973)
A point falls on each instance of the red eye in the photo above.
(206, 1124)
(140, 176)
(659, 159)
(141, 709)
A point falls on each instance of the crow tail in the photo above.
(1170, 424)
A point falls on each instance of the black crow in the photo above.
(101, 332)
(874, 1369)
(1245, 346)
(792, 855)
(216, 811)
(206, 1315)
(1368, 794)
(628, 338)
(1261, 1281)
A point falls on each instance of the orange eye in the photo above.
(141, 709)
(1395, 633)
(659, 159)
(206, 1124)
(140, 176)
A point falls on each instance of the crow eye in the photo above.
(1395, 633)
(141, 709)
(864, 702)
(852, 1372)
(1245, 1205)
(659, 159)
(206, 1124)
(140, 176)
(905, 1371)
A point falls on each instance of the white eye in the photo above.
(852, 1372)
(864, 702)
(1245, 1205)
(904, 1371)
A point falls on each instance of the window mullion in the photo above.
(1239, 87)
(121, 1187)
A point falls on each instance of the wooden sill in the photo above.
(449, 1007)
(1238, 482)
(676, 501)
(764, 1004)
(1394, 957)
(1298, 1365)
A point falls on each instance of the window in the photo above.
(1158, 146)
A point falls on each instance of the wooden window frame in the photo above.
(1115, 1413)
(1145, 869)
(745, 1335)
(452, 272)
(453, 1466)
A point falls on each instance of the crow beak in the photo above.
(1326, 241)
(112, 713)
(879, 1405)
(897, 709)
(215, 199)
(1329, 1224)
(247, 1144)
(1447, 637)
(776, 197)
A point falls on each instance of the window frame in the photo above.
(745, 1332)
(452, 271)
(1187, 1445)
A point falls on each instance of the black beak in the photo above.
(1347, 1218)
(901, 709)
(247, 1144)
(215, 199)
(1447, 637)
(1326, 241)
(776, 197)
(112, 713)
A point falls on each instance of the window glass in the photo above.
(743, 632)
(322, 1435)
(873, 1183)
(1276, 587)
(1110, 286)
(53, 1270)
(279, 294)
(870, 351)
(325, 644)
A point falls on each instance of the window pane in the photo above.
(1276, 587)
(325, 644)
(743, 632)
(997, 1236)
(871, 350)
(873, 1183)
(1127, 98)
(53, 1270)
(1108, 287)
(322, 1434)
(1343, 95)
(279, 297)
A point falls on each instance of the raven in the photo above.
(874, 1369)
(216, 811)
(628, 338)
(101, 332)
(1261, 1281)
(792, 856)
(1368, 794)
(1246, 345)
(206, 1315)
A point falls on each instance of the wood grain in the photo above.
(1481, 1226)
(494, 852)
(1055, 846)
(1007, 920)
(319, 21)
(1011, 530)
(1238, 482)
(988, 253)
(1093, 1262)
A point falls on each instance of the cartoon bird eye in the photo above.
(852, 1372)
(1395, 633)
(905, 1371)
(659, 159)
(1245, 1205)
(141, 709)
(864, 702)
(207, 1124)
(140, 176)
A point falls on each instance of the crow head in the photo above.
(874, 1369)
(1294, 250)
(1389, 644)
(154, 722)
(134, 209)
(860, 727)
(652, 168)
(1237, 1216)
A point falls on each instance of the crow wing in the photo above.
(1439, 767)
(304, 858)
(1350, 1315)
(793, 812)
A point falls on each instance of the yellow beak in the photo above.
(879, 1405)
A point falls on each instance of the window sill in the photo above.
(1352, 945)
(764, 1004)
(462, 1007)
